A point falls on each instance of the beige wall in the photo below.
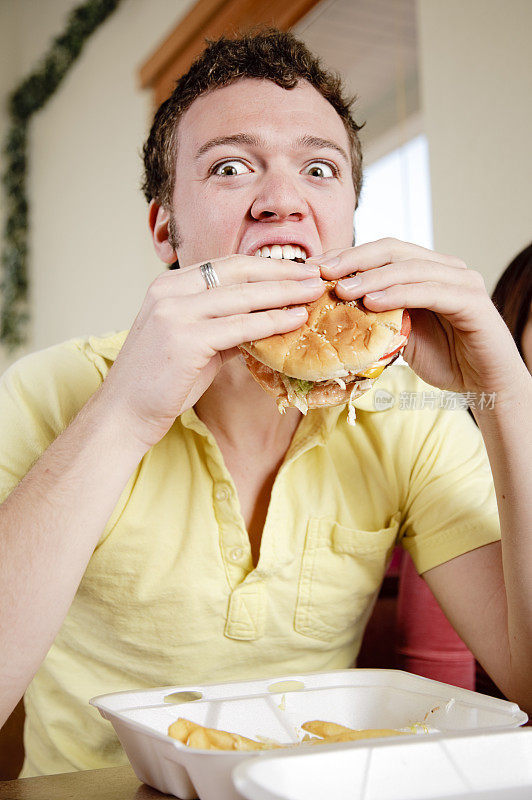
(476, 83)
(91, 256)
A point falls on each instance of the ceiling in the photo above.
(373, 44)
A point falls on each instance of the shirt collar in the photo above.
(320, 423)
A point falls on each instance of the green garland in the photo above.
(29, 97)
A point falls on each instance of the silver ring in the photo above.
(210, 276)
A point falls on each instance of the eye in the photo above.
(321, 169)
(229, 168)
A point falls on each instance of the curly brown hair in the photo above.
(265, 53)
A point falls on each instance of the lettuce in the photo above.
(301, 386)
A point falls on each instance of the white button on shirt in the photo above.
(236, 554)
(222, 493)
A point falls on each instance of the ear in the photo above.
(158, 219)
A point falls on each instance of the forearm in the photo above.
(507, 433)
(49, 527)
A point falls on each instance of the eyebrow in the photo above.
(314, 142)
(236, 138)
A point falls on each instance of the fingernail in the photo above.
(313, 283)
(333, 262)
(350, 283)
(375, 295)
(313, 269)
(299, 311)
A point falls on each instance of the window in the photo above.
(396, 197)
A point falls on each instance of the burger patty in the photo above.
(322, 393)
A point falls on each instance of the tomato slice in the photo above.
(406, 326)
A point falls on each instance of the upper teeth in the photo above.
(281, 251)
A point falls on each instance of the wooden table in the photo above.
(114, 783)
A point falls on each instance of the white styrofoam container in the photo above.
(478, 765)
(358, 698)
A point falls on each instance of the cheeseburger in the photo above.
(333, 358)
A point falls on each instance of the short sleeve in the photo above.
(450, 506)
(39, 396)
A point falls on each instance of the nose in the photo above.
(279, 198)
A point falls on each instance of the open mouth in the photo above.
(291, 252)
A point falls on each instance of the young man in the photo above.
(174, 528)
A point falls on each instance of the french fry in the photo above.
(333, 732)
(201, 738)
(325, 729)
(356, 735)
(181, 729)
(211, 739)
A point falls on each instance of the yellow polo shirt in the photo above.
(170, 595)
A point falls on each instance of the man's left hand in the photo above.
(458, 342)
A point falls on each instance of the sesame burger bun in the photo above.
(331, 359)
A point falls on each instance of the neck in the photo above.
(241, 414)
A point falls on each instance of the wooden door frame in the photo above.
(210, 19)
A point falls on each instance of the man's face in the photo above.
(287, 179)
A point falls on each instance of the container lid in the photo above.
(476, 765)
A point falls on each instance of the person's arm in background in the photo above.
(460, 343)
(51, 522)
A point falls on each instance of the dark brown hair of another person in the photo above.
(513, 294)
(266, 53)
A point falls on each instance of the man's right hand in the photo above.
(183, 334)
